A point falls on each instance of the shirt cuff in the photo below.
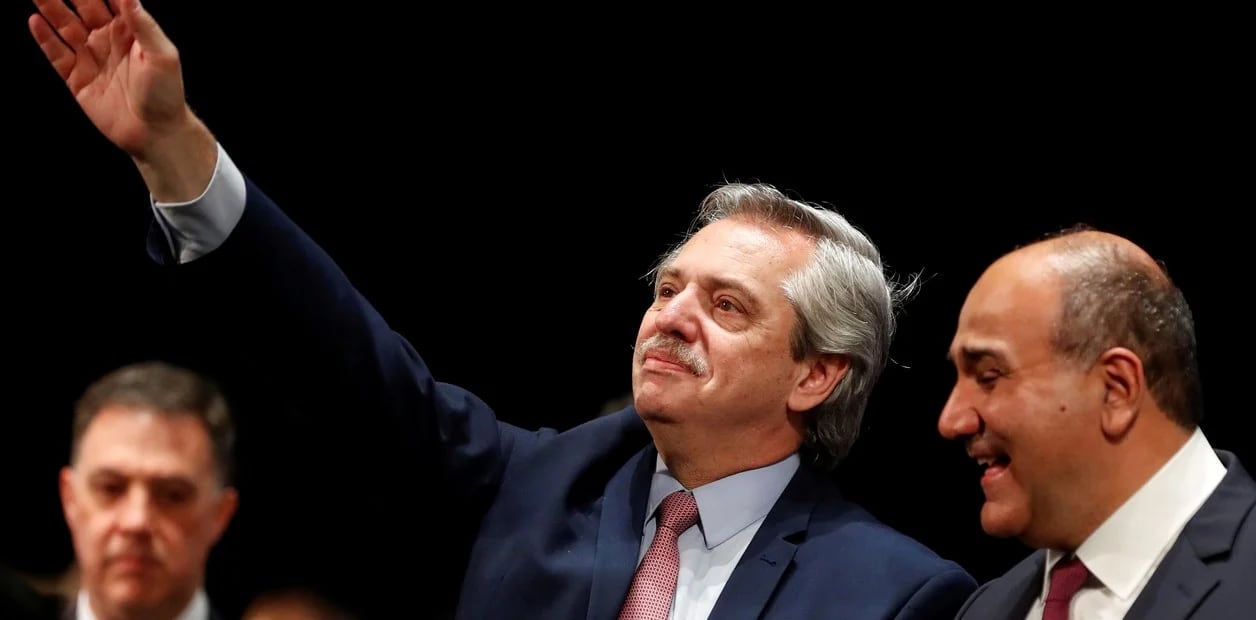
(197, 227)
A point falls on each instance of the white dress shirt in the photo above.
(195, 228)
(1125, 550)
(197, 609)
(730, 511)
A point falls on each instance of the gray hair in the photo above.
(843, 298)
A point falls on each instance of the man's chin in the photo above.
(651, 400)
(134, 591)
(654, 412)
(1001, 521)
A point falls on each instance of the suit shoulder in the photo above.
(846, 528)
(606, 431)
(850, 555)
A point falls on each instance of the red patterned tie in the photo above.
(1067, 577)
(654, 585)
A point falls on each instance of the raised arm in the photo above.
(272, 302)
(126, 76)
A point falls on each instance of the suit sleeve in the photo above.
(292, 324)
(940, 597)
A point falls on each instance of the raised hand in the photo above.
(122, 69)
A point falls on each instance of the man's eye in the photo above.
(174, 497)
(111, 489)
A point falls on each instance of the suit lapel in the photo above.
(756, 577)
(619, 534)
(1025, 592)
(771, 551)
(1185, 577)
(1011, 595)
(1177, 587)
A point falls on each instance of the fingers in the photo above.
(93, 13)
(60, 55)
(145, 29)
(63, 21)
(120, 38)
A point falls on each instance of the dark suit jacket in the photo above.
(1210, 572)
(560, 536)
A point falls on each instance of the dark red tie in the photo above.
(1067, 577)
(654, 585)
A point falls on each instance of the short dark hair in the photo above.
(168, 390)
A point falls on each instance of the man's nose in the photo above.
(959, 418)
(679, 317)
(136, 511)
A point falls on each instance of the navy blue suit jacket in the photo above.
(563, 525)
(1210, 572)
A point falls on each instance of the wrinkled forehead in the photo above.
(1014, 305)
(754, 241)
(140, 443)
(740, 254)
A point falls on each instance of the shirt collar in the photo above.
(729, 504)
(1125, 549)
(197, 609)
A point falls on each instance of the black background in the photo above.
(498, 183)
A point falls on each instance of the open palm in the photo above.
(121, 68)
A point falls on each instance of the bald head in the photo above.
(1112, 293)
(1075, 251)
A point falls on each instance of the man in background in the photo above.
(147, 492)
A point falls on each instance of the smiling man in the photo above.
(146, 494)
(1079, 395)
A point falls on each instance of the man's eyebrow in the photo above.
(104, 473)
(109, 473)
(972, 354)
(669, 272)
(712, 282)
(720, 282)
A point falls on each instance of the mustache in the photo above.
(138, 551)
(674, 350)
(982, 444)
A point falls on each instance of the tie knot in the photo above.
(1067, 577)
(678, 512)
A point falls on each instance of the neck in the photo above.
(1128, 464)
(695, 461)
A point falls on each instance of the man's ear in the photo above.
(1125, 387)
(69, 503)
(817, 380)
(228, 500)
